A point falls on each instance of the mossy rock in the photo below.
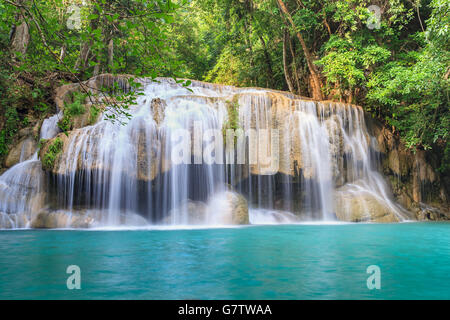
(51, 151)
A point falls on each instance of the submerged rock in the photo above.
(82, 219)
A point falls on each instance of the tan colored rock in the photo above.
(81, 219)
(21, 152)
(13, 221)
(228, 208)
(22, 192)
(225, 208)
(63, 94)
(61, 219)
(239, 208)
(426, 213)
(36, 131)
(336, 148)
(190, 212)
(361, 206)
(398, 161)
(25, 132)
(158, 108)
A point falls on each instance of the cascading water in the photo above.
(321, 160)
(22, 185)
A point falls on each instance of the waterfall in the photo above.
(22, 186)
(321, 156)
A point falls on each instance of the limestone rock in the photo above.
(61, 219)
(47, 219)
(413, 176)
(62, 94)
(426, 213)
(13, 221)
(21, 152)
(228, 208)
(224, 208)
(239, 208)
(158, 108)
(22, 188)
(189, 212)
(357, 205)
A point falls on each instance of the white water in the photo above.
(22, 185)
(123, 169)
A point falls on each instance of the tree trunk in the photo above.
(316, 83)
(248, 43)
(110, 54)
(20, 39)
(285, 62)
(20, 35)
(268, 62)
(294, 66)
(96, 71)
(62, 53)
(84, 55)
(85, 49)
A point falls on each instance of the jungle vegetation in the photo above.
(389, 56)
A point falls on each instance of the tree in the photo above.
(315, 76)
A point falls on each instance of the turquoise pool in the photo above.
(256, 262)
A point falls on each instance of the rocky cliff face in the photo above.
(415, 181)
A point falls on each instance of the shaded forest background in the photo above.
(396, 67)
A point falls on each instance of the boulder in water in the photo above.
(356, 205)
(61, 219)
(427, 213)
(189, 212)
(82, 219)
(224, 208)
(228, 208)
(13, 220)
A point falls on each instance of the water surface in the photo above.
(257, 262)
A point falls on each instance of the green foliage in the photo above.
(41, 143)
(399, 71)
(347, 61)
(9, 129)
(230, 42)
(53, 151)
(94, 113)
(411, 92)
(76, 107)
(233, 118)
(71, 110)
